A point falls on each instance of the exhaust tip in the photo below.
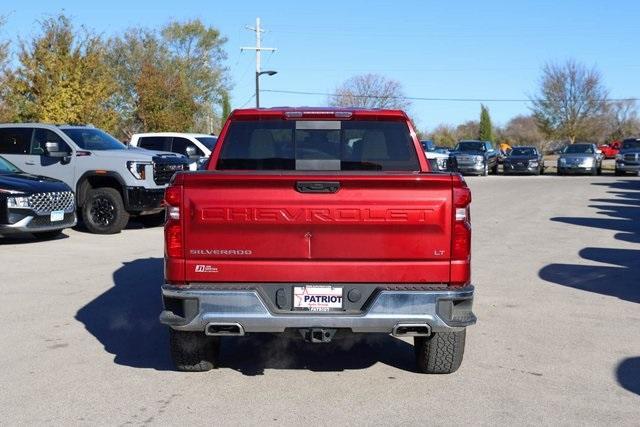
(224, 329)
(411, 330)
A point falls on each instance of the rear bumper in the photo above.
(194, 309)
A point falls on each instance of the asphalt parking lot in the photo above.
(556, 262)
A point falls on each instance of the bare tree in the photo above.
(5, 112)
(622, 119)
(370, 91)
(571, 96)
(468, 130)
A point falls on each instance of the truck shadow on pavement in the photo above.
(125, 318)
(620, 213)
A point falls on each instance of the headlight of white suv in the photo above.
(138, 169)
(442, 163)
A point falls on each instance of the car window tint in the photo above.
(41, 137)
(159, 143)
(180, 146)
(15, 140)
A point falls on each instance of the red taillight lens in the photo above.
(461, 234)
(173, 239)
(461, 242)
(174, 247)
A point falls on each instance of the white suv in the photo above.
(196, 146)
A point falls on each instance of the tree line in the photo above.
(167, 79)
(571, 104)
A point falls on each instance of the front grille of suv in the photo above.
(45, 203)
(163, 171)
(631, 157)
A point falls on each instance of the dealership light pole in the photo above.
(258, 48)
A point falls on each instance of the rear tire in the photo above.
(103, 211)
(619, 172)
(193, 351)
(494, 170)
(594, 172)
(485, 171)
(47, 235)
(440, 353)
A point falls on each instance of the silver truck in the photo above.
(111, 181)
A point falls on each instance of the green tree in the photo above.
(226, 106)
(485, 131)
(62, 78)
(188, 51)
(5, 111)
(164, 100)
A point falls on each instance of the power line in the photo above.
(420, 98)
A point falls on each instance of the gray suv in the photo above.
(110, 180)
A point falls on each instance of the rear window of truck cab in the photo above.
(309, 145)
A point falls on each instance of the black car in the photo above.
(475, 157)
(524, 160)
(33, 204)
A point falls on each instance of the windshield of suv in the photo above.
(523, 151)
(308, 145)
(93, 139)
(470, 146)
(7, 167)
(628, 144)
(208, 141)
(578, 149)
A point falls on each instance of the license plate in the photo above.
(317, 298)
(57, 216)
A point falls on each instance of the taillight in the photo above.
(461, 233)
(173, 237)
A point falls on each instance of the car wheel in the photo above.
(153, 220)
(103, 211)
(560, 172)
(440, 353)
(485, 171)
(494, 170)
(594, 171)
(47, 235)
(619, 172)
(193, 351)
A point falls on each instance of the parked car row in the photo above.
(473, 157)
(108, 181)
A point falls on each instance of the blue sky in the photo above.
(437, 49)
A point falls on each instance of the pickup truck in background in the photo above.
(322, 221)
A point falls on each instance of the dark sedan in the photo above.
(33, 204)
(523, 160)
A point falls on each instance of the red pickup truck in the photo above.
(322, 221)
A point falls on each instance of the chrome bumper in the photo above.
(442, 310)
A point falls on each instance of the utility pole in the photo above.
(258, 48)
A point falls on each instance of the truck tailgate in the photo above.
(375, 228)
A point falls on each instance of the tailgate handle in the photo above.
(317, 187)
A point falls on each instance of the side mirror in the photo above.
(53, 149)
